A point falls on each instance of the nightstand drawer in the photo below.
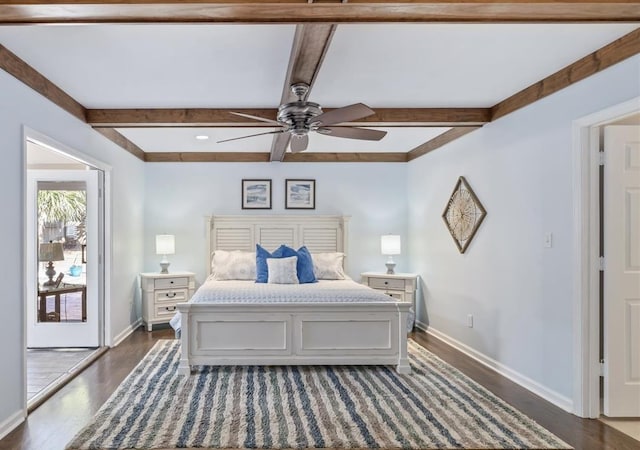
(398, 295)
(172, 295)
(386, 283)
(168, 283)
(167, 311)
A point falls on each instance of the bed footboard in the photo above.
(294, 334)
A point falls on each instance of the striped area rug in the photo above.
(306, 407)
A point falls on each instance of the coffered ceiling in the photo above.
(421, 78)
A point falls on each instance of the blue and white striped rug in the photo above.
(306, 407)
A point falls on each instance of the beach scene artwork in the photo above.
(256, 194)
(300, 194)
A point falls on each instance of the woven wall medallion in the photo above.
(463, 215)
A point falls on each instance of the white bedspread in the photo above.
(237, 291)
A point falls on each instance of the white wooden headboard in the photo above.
(318, 233)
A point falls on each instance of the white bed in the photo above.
(329, 322)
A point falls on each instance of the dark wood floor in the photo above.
(582, 434)
(54, 423)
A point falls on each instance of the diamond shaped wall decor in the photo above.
(463, 215)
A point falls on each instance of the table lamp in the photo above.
(50, 251)
(165, 245)
(390, 245)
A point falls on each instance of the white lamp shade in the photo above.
(165, 244)
(390, 244)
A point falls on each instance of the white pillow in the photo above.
(328, 266)
(282, 270)
(233, 265)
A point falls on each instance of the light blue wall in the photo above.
(519, 293)
(519, 166)
(20, 106)
(178, 196)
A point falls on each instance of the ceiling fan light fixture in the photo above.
(299, 143)
(298, 132)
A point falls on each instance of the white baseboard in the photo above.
(11, 423)
(421, 326)
(126, 332)
(550, 395)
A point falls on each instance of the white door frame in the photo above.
(586, 256)
(105, 325)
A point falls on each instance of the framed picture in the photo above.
(256, 194)
(300, 194)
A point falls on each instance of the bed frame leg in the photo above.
(403, 367)
(403, 358)
(184, 368)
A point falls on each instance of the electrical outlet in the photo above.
(470, 320)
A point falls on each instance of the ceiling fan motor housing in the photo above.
(297, 116)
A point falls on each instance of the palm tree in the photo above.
(62, 207)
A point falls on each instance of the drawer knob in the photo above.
(386, 282)
(171, 282)
(173, 294)
(170, 308)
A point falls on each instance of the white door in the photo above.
(622, 271)
(57, 314)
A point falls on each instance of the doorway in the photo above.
(600, 312)
(620, 249)
(63, 239)
(64, 272)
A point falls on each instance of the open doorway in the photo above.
(64, 275)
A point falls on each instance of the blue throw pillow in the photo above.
(304, 266)
(262, 269)
(284, 252)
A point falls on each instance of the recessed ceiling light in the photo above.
(202, 137)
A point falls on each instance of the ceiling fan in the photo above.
(301, 117)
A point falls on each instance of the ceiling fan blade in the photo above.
(299, 143)
(353, 133)
(261, 119)
(344, 114)
(251, 135)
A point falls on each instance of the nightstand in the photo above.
(401, 286)
(161, 293)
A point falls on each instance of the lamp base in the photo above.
(50, 272)
(390, 268)
(165, 267)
